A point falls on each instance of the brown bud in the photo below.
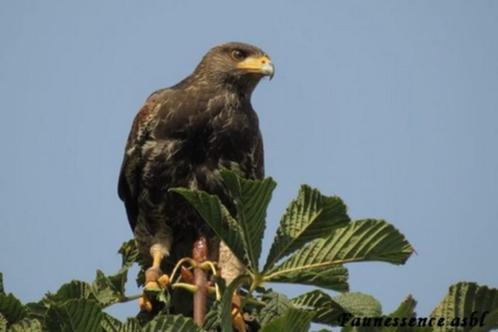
(200, 250)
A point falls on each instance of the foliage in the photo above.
(314, 242)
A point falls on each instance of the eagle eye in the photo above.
(239, 54)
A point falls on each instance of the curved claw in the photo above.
(152, 286)
(155, 279)
(237, 318)
(163, 281)
(145, 304)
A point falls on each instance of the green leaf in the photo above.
(38, 309)
(129, 254)
(276, 306)
(2, 290)
(3, 324)
(110, 324)
(218, 218)
(11, 308)
(471, 301)
(366, 240)
(226, 302)
(334, 277)
(406, 308)
(74, 315)
(293, 320)
(359, 304)
(360, 326)
(26, 325)
(118, 282)
(251, 198)
(109, 290)
(310, 216)
(325, 309)
(212, 321)
(171, 323)
(72, 290)
(131, 325)
(490, 323)
(405, 311)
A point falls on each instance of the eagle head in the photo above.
(235, 64)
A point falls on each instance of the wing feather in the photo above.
(132, 165)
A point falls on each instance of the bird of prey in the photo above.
(182, 137)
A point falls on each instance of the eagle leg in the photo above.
(155, 279)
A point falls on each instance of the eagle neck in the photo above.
(218, 82)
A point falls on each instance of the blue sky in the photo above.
(391, 105)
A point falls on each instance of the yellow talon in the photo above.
(151, 285)
(155, 279)
(163, 281)
(238, 320)
(144, 304)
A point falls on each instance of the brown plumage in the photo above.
(181, 137)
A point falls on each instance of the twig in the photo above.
(200, 254)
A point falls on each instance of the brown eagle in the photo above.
(181, 137)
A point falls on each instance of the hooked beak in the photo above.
(258, 64)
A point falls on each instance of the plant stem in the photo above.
(188, 287)
(200, 254)
(129, 298)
